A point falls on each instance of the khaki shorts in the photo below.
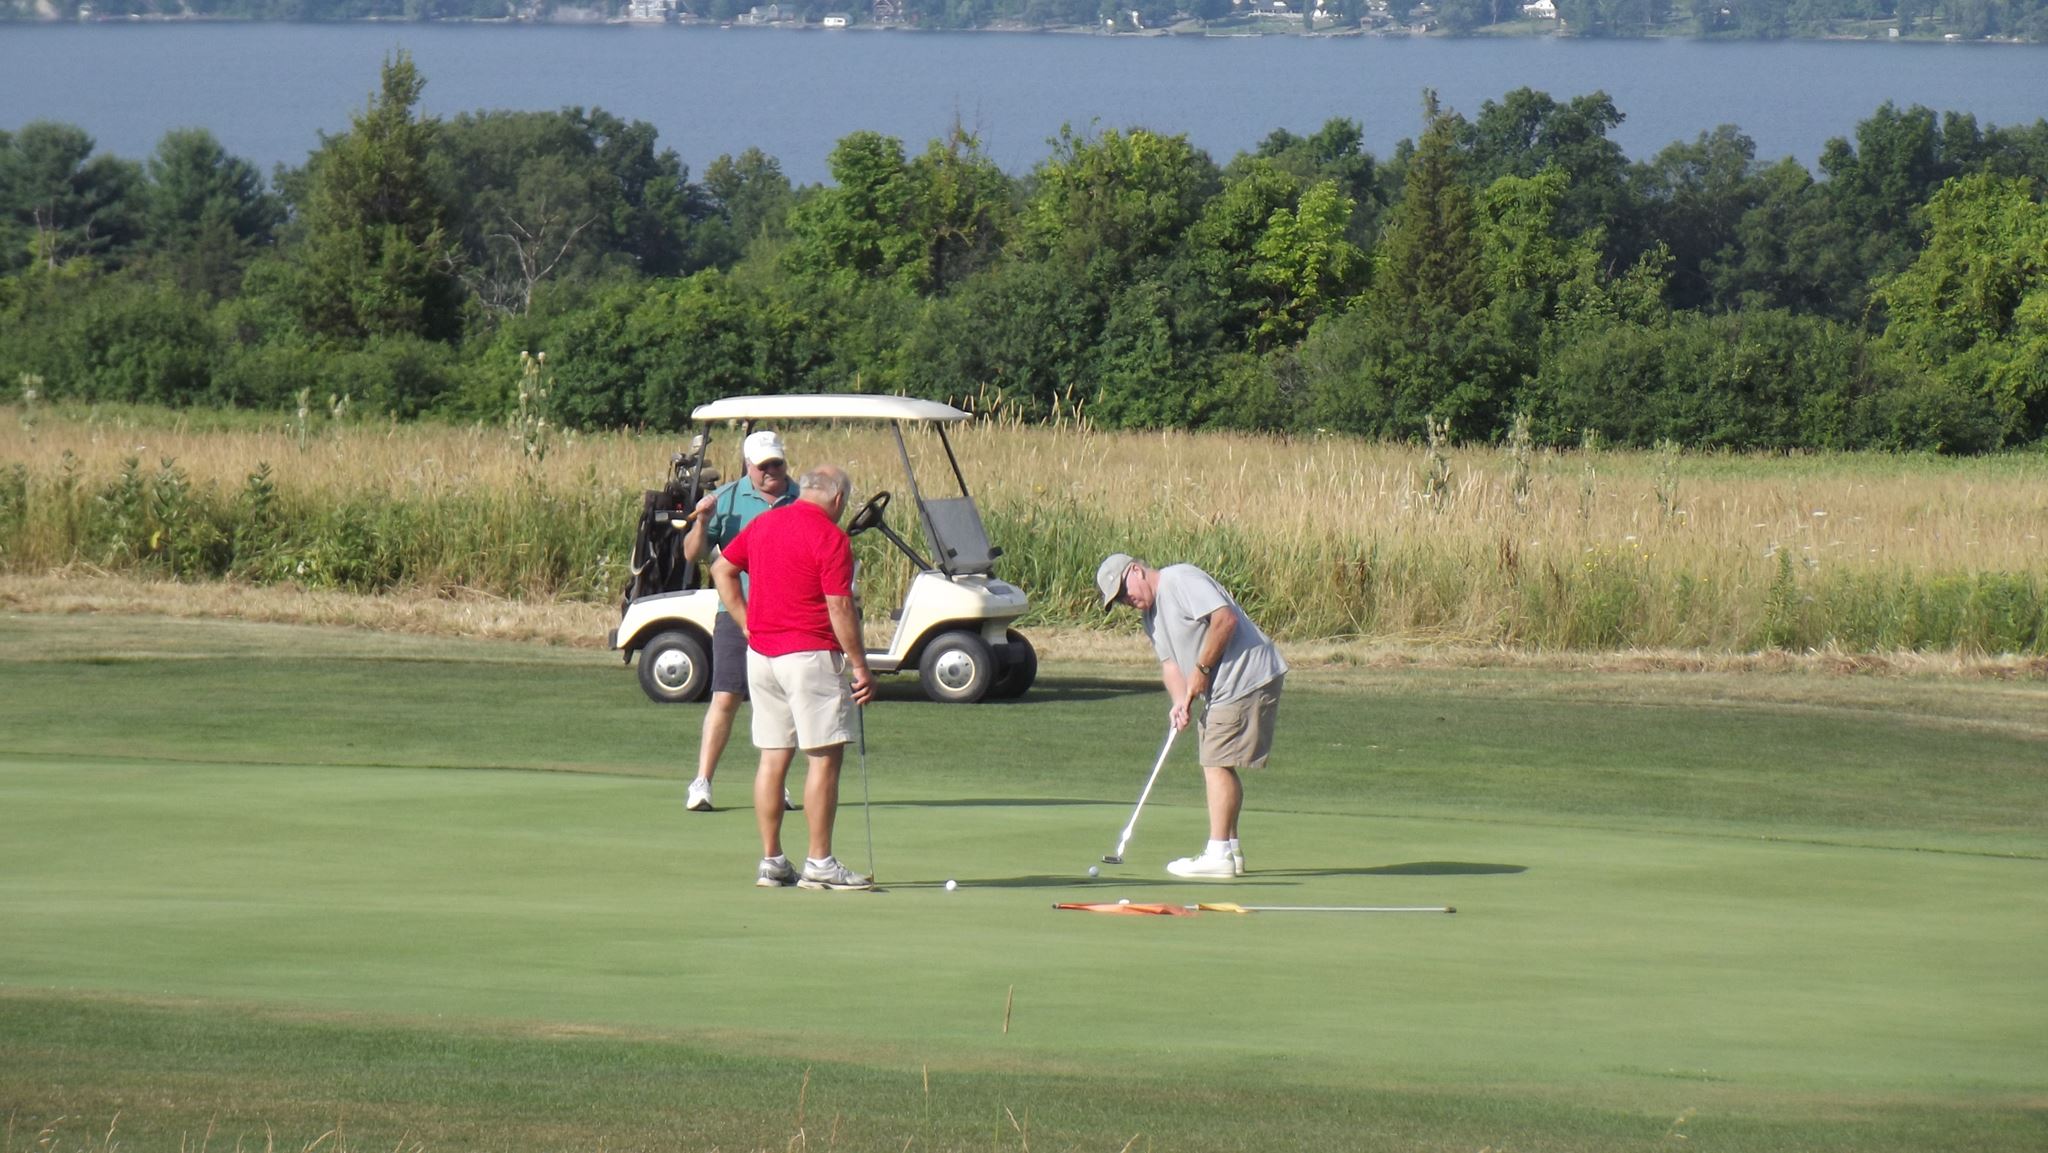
(1238, 734)
(801, 700)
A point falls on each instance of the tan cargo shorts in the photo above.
(1238, 734)
(800, 700)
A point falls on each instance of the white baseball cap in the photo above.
(762, 447)
(1109, 578)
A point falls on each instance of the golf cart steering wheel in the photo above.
(869, 516)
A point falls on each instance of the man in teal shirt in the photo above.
(720, 516)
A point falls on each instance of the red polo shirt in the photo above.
(795, 556)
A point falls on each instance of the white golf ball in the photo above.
(1123, 900)
(952, 885)
(1093, 871)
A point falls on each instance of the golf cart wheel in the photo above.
(674, 668)
(1020, 668)
(958, 668)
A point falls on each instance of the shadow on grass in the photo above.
(1039, 881)
(1258, 878)
(1411, 869)
(1045, 691)
(989, 803)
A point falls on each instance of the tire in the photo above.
(1020, 668)
(957, 668)
(674, 668)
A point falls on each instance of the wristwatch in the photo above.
(1207, 671)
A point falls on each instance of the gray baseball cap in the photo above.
(1109, 577)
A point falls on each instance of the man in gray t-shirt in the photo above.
(1207, 647)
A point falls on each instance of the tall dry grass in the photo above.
(1321, 536)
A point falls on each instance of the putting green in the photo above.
(1763, 908)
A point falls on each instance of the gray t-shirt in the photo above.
(1180, 619)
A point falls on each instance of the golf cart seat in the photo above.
(959, 542)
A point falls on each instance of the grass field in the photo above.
(277, 887)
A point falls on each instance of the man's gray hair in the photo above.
(827, 481)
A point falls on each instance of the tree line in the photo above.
(1730, 19)
(1510, 272)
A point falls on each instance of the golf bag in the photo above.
(665, 517)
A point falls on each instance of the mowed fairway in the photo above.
(259, 883)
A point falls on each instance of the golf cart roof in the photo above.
(834, 406)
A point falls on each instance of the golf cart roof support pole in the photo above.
(931, 532)
(945, 441)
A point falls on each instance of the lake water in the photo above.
(267, 90)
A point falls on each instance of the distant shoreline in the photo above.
(1531, 30)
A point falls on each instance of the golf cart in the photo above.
(954, 626)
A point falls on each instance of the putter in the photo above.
(860, 725)
(1124, 840)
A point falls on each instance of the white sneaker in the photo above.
(1219, 867)
(788, 806)
(700, 796)
(775, 874)
(830, 874)
(1237, 864)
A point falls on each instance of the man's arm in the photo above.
(698, 539)
(725, 576)
(1215, 642)
(1176, 692)
(846, 630)
(1184, 687)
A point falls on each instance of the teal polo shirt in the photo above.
(739, 502)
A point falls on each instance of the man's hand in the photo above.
(863, 684)
(1183, 711)
(725, 577)
(696, 542)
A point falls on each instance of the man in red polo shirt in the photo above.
(803, 639)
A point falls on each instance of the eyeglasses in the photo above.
(765, 465)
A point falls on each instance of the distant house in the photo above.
(762, 14)
(1541, 10)
(650, 11)
(836, 20)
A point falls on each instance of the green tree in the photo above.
(750, 199)
(963, 209)
(1105, 206)
(209, 213)
(1023, 331)
(1527, 131)
(1876, 185)
(861, 228)
(1693, 197)
(1790, 250)
(1333, 152)
(62, 202)
(1425, 338)
(1221, 251)
(647, 354)
(377, 258)
(1308, 264)
(1973, 306)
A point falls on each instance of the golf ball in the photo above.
(952, 885)
(1093, 871)
(1123, 900)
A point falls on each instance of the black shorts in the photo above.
(728, 657)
